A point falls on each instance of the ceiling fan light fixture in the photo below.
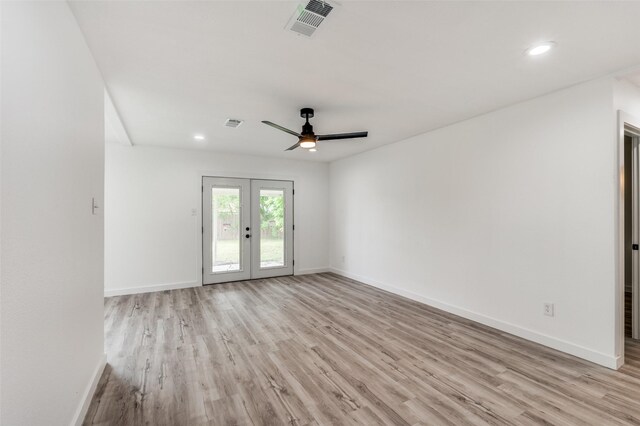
(307, 142)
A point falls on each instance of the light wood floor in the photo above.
(321, 349)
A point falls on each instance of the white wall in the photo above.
(152, 241)
(627, 97)
(491, 217)
(52, 247)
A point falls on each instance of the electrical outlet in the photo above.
(549, 309)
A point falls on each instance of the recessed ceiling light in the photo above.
(313, 150)
(198, 137)
(540, 48)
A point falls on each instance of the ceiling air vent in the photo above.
(308, 17)
(232, 122)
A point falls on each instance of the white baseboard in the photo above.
(619, 360)
(175, 286)
(311, 271)
(613, 362)
(81, 412)
(149, 288)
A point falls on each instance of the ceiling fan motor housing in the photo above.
(307, 128)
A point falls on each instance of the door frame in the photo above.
(199, 216)
(630, 125)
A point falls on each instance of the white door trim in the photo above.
(229, 173)
(203, 233)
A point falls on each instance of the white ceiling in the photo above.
(395, 69)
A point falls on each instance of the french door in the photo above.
(247, 229)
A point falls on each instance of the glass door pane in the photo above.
(271, 228)
(226, 238)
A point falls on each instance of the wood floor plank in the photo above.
(326, 350)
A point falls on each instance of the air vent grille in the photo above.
(308, 18)
(303, 29)
(321, 8)
(232, 122)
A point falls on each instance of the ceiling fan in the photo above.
(307, 139)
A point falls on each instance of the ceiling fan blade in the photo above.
(343, 136)
(284, 129)
(293, 147)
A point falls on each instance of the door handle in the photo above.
(634, 246)
(247, 236)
